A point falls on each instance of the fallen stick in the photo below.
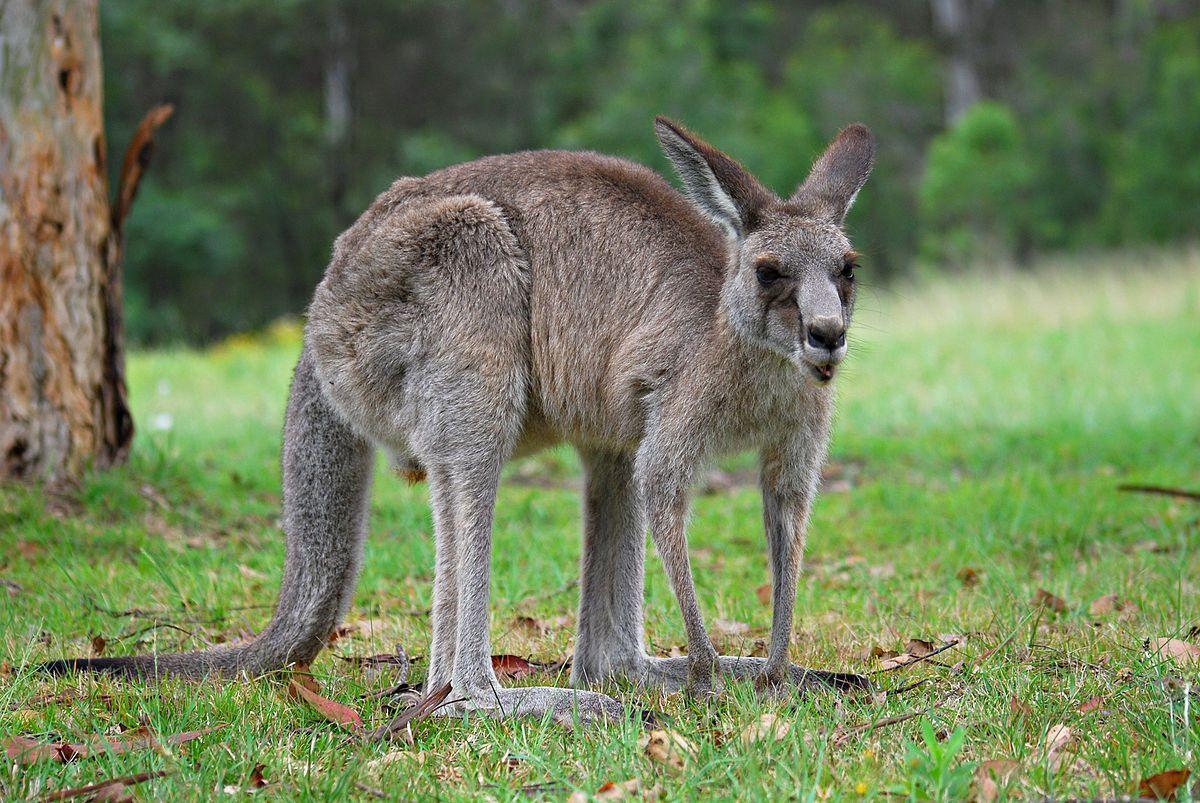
(1161, 490)
(917, 660)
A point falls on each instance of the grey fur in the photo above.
(496, 307)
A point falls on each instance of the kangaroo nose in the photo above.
(826, 333)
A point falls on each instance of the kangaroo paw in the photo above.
(564, 706)
(672, 674)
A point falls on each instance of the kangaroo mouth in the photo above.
(822, 373)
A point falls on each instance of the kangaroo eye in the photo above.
(767, 271)
(848, 271)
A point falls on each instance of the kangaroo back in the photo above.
(326, 490)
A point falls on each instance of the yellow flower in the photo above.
(860, 788)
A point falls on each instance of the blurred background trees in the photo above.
(1006, 129)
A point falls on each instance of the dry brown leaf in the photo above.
(1102, 606)
(874, 651)
(614, 791)
(330, 709)
(883, 571)
(1059, 741)
(1044, 599)
(540, 627)
(730, 627)
(302, 677)
(513, 667)
(991, 776)
(1163, 785)
(1175, 649)
(968, 576)
(376, 764)
(919, 648)
(1090, 705)
(24, 750)
(763, 592)
(250, 574)
(98, 645)
(668, 748)
(895, 661)
(1019, 706)
(767, 727)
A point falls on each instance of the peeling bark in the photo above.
(62, 390)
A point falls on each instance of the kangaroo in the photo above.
(494, 308)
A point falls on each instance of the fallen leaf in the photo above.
(763, 592)
(612, 791)
(991, 776)
(333, 711)
(256, 780)
(968, 576)
(1019, 706)
(875, 651)
(250, 574)
(1059, 740)
(1044, 599)
(668, 748)
(1175, 649)
(730, 627)
(301, 677)
(24, 750)
(1109, 603)
(896, 661)
(919, 648)
(98, 645)
(376, 764)
(883, 571)
(514, 667)
(1163, 785)
(1088, 706)
(540, 627)
(767, 727)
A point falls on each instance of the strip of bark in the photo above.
(118, 423)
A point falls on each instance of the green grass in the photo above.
(984, 423)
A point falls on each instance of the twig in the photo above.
(909, 687)
(428, 705)
(1161, 490)
(841, 734)
(917, 660)
(565, 587)
(372, 791)
(143, 630)
(129, 780)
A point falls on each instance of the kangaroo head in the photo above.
(789, 284)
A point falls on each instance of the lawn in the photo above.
(985, 424)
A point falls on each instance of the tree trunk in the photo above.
(960, 25)
(62, 386)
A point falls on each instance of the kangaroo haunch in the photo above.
(497, 307)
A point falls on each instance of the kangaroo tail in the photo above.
(326, 492)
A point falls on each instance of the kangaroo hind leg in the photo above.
(463, 379)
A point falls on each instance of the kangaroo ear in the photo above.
(718, 185)
(838, 175)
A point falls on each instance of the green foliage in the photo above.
(973, 195)
(1088, 137)
(1156, 165)
(933, 769)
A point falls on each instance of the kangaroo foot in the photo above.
(672, 674)
(564, 706)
